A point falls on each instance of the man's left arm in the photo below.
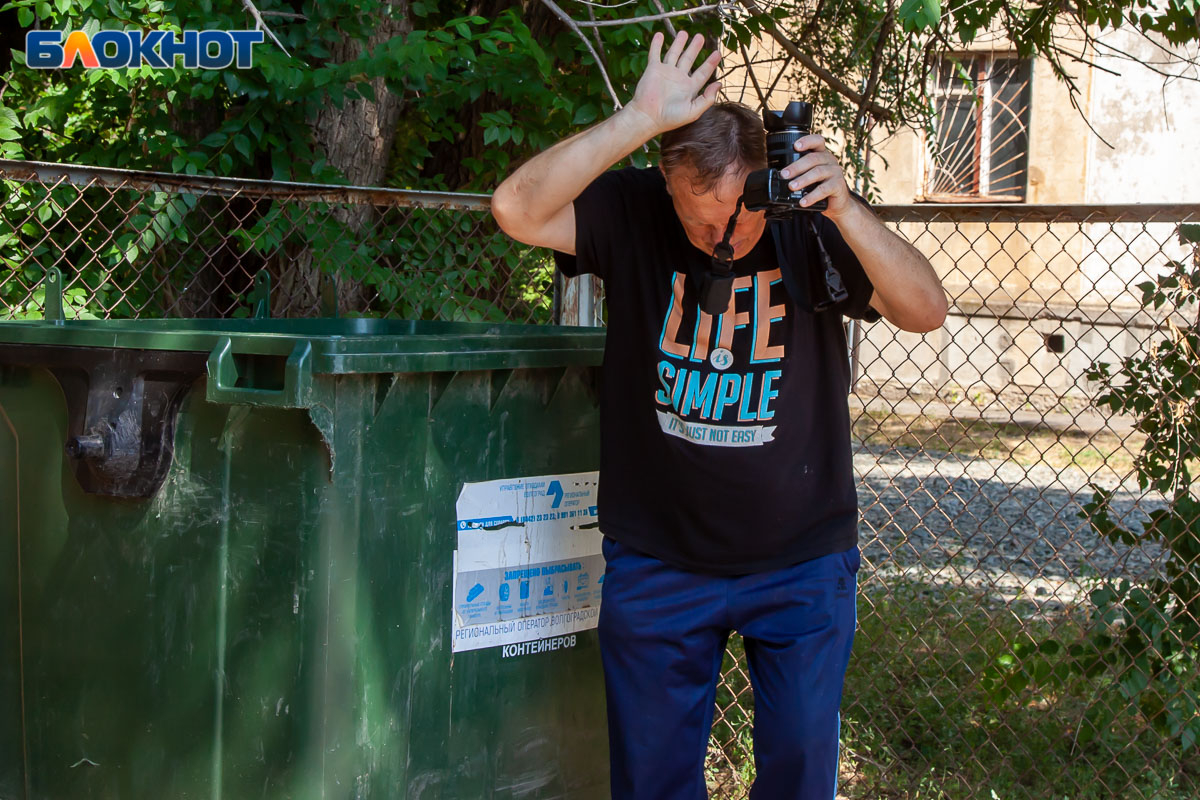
(907, 291)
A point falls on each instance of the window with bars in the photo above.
(979, 147)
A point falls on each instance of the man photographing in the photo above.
(727, 495)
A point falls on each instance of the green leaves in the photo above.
(1143, 642)
(586, 114)
(242, 145)
(1189, 233)
(920, 15)
(498, 128)
(10, 125)
(1160, 387)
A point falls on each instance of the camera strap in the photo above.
(715, 286)
(832, 289)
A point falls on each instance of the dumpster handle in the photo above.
(223, 378)
(260, 296)
(53, 298)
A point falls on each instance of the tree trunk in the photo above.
(357, 138)
(217, 273)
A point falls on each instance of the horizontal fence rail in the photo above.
(1003, 647)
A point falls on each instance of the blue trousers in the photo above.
(662, 638)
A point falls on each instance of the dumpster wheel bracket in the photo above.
(121, 411)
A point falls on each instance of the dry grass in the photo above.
(918, 723)
(1100, 453)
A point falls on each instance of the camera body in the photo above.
(821, 286)
(767, 190)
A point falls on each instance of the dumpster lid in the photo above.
(338, 346)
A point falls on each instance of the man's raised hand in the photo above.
(670, 94)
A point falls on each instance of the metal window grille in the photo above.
(980, 147)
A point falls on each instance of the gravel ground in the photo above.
(1011, 529)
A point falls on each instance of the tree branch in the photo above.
(670, 28)
(885, 32)
(787, 62)
(574, 26)
(762, 98)
(666, 15)
(262, 26)
(1158, 67)
(876, 110)
(596, 34)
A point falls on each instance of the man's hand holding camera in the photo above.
(820, 175)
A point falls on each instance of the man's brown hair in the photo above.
(728, 136)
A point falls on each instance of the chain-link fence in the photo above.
(155, 245)
(1020, 634)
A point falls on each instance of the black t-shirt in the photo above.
(725, 440)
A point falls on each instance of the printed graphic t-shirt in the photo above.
(725, 440)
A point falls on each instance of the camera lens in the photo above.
(781, 149)
(783, 129)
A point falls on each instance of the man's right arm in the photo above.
(535, 204)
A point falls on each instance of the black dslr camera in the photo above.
(766, 189)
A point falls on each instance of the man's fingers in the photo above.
(672, 57)
(705, 100)
(693, 50)
(821, 191)
(821, 182)
(707, 68)
(813, 143)
(804, 163)
(656, 43)
(813, 177)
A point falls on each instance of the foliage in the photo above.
(541, 87)
(483, 86)
(1145, 635)
(522, 93)
(886, 50)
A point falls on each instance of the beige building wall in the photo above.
(1058, 142)
(1014, 286)
(1150, 121)
(1018, 288)
(1146, 126)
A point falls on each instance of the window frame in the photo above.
(983, 63)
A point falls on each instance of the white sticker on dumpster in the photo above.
(528, 564)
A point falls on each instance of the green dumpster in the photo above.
(299, 558)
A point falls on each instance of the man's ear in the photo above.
(664, 174)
